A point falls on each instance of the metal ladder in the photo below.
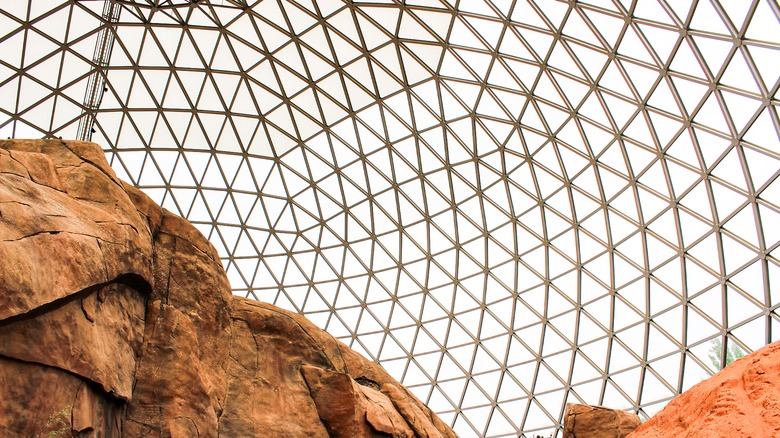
(96, 86)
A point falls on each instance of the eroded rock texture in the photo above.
(585, 421)
(116, 319)
(742, 400)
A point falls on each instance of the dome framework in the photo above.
(510, 205)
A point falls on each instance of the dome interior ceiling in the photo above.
(509, 204)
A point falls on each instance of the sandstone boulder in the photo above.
(67, 224)
(117, 319)
(742, 400)
(585, 421)
(367, 412)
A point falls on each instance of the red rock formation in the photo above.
(67, 224)
(584, 421)
(742, 400)
(116, 319)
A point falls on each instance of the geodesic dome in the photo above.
(508, 204)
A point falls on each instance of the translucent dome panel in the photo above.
(510, 205)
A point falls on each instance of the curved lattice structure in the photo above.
(508, 204)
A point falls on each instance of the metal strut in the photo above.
(96, 86)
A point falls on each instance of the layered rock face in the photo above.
(742, 400)
(116, 319)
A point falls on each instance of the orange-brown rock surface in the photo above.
(585, 421)
(742, 400)
(116, 319)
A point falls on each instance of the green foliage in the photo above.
(57, 425)
(733, 352)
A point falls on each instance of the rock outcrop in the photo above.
(585, 421)
(742, 400)
(116, 319)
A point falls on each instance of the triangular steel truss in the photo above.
(507, 204)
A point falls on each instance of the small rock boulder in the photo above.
(585, 421)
